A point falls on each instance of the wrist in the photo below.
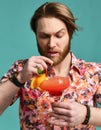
(87, 116)
(20, 78)
(16, 80)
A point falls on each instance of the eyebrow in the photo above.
(55, 32)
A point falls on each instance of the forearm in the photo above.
(95, 118)
(7, 92)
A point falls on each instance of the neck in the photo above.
(63, 68)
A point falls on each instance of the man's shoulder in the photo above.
(94, 64)
(21, 61)
(93, 67)
(88, 63)
(17, 65)
(88, 66)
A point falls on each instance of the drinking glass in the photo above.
(55, 85)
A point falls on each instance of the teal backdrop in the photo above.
(17, 41)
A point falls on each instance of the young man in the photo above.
(75, 109)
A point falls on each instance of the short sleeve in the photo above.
(98, 92)
(15, 68)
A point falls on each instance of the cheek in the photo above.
(64, 44)
(42, 43)
(65, 41)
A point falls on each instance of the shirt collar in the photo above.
(77, 64)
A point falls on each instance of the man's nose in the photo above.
(52, 42)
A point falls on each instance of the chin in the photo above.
(56, 62)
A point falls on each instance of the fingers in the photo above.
(61, 112)
(47, 60)
(62, 105)
(33, 64)
(59, 122)
(68, 113)
(61, 116)
(40, 62)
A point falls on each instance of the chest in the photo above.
(82, 89)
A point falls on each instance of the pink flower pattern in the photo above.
(85, 86)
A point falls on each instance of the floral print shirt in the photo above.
(85, 88)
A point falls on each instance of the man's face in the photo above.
(53, 39)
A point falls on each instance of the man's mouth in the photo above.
(52, 54)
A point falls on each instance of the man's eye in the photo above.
(60, 35)
(44, 36)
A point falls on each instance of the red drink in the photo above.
(55, 85)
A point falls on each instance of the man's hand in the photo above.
(31, 67)
(67, 113)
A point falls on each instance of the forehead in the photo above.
(50, 24)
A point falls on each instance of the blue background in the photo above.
(17, 41)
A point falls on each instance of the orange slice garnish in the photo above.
(36, 81)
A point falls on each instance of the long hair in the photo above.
(57, 10)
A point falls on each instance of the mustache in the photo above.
(44, 51)
(52, 50)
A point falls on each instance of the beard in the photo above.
(58, 59)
